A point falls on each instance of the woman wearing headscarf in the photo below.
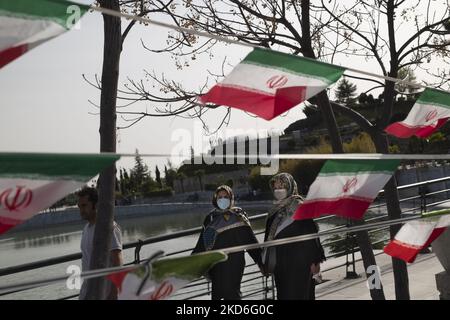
(227, 226)
(293, 264)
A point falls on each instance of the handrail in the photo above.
(191, 231)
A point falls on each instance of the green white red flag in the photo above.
(30, 183)
(416, 235)
(166, 277)
(25, 24)
(430, 112)
(268, 83)
(346, 188)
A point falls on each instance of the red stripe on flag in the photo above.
(8, 55)
(8, 223)
(408, 252)
(425, 132)
(345, 207)
(263, 105)
(400, 130)
(403, 251)
(434, 235)
(5, 227)
(117, 278)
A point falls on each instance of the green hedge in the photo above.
(160, 193)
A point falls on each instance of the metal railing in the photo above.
(253, 282)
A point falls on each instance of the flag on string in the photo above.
(30, 183)
(167, 276)
(429, 113)
(346, 188)
(268, 83)
(414, 236)
(25, 24)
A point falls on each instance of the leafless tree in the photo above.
(326, 30)
(113, 42)
(372, 29)
(282, 25)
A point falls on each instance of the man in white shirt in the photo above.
(87, 201)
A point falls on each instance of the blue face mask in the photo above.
(223, 203)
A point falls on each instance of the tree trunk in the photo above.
(323, 102)
(362, 237)
(105, 208)
(382, 146)
(394, 212)
(330, 122)
(365, 246)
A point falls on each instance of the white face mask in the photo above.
(223, 203)
(280, 194)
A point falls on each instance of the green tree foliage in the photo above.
(169, 175)
(436, 143)
(158, 177)
(140, 173)
(346, 92)
(138, 182)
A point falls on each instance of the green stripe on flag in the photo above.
(337, 167)
(435, 97)
(296, 64)
(436, 213)
(54, 10)
(189, 268)
(53, 166)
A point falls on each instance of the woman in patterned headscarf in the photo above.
(227, 226)
(292, 264)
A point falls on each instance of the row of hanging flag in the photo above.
(30, 183)
(266, 83)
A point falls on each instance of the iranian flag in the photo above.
(346, 188)
(428, 114)
(25, 24)
(30, 183)
(268, 83)
(167, 276)
(414, 236)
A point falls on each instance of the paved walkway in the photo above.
(422, 284)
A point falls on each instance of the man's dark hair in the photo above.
(91, 193)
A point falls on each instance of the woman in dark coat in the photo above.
(292, 264)
(227, 226)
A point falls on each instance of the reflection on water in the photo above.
(42, 241)
(147, 227)
(24, 247)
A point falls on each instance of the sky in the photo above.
(45, 101)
